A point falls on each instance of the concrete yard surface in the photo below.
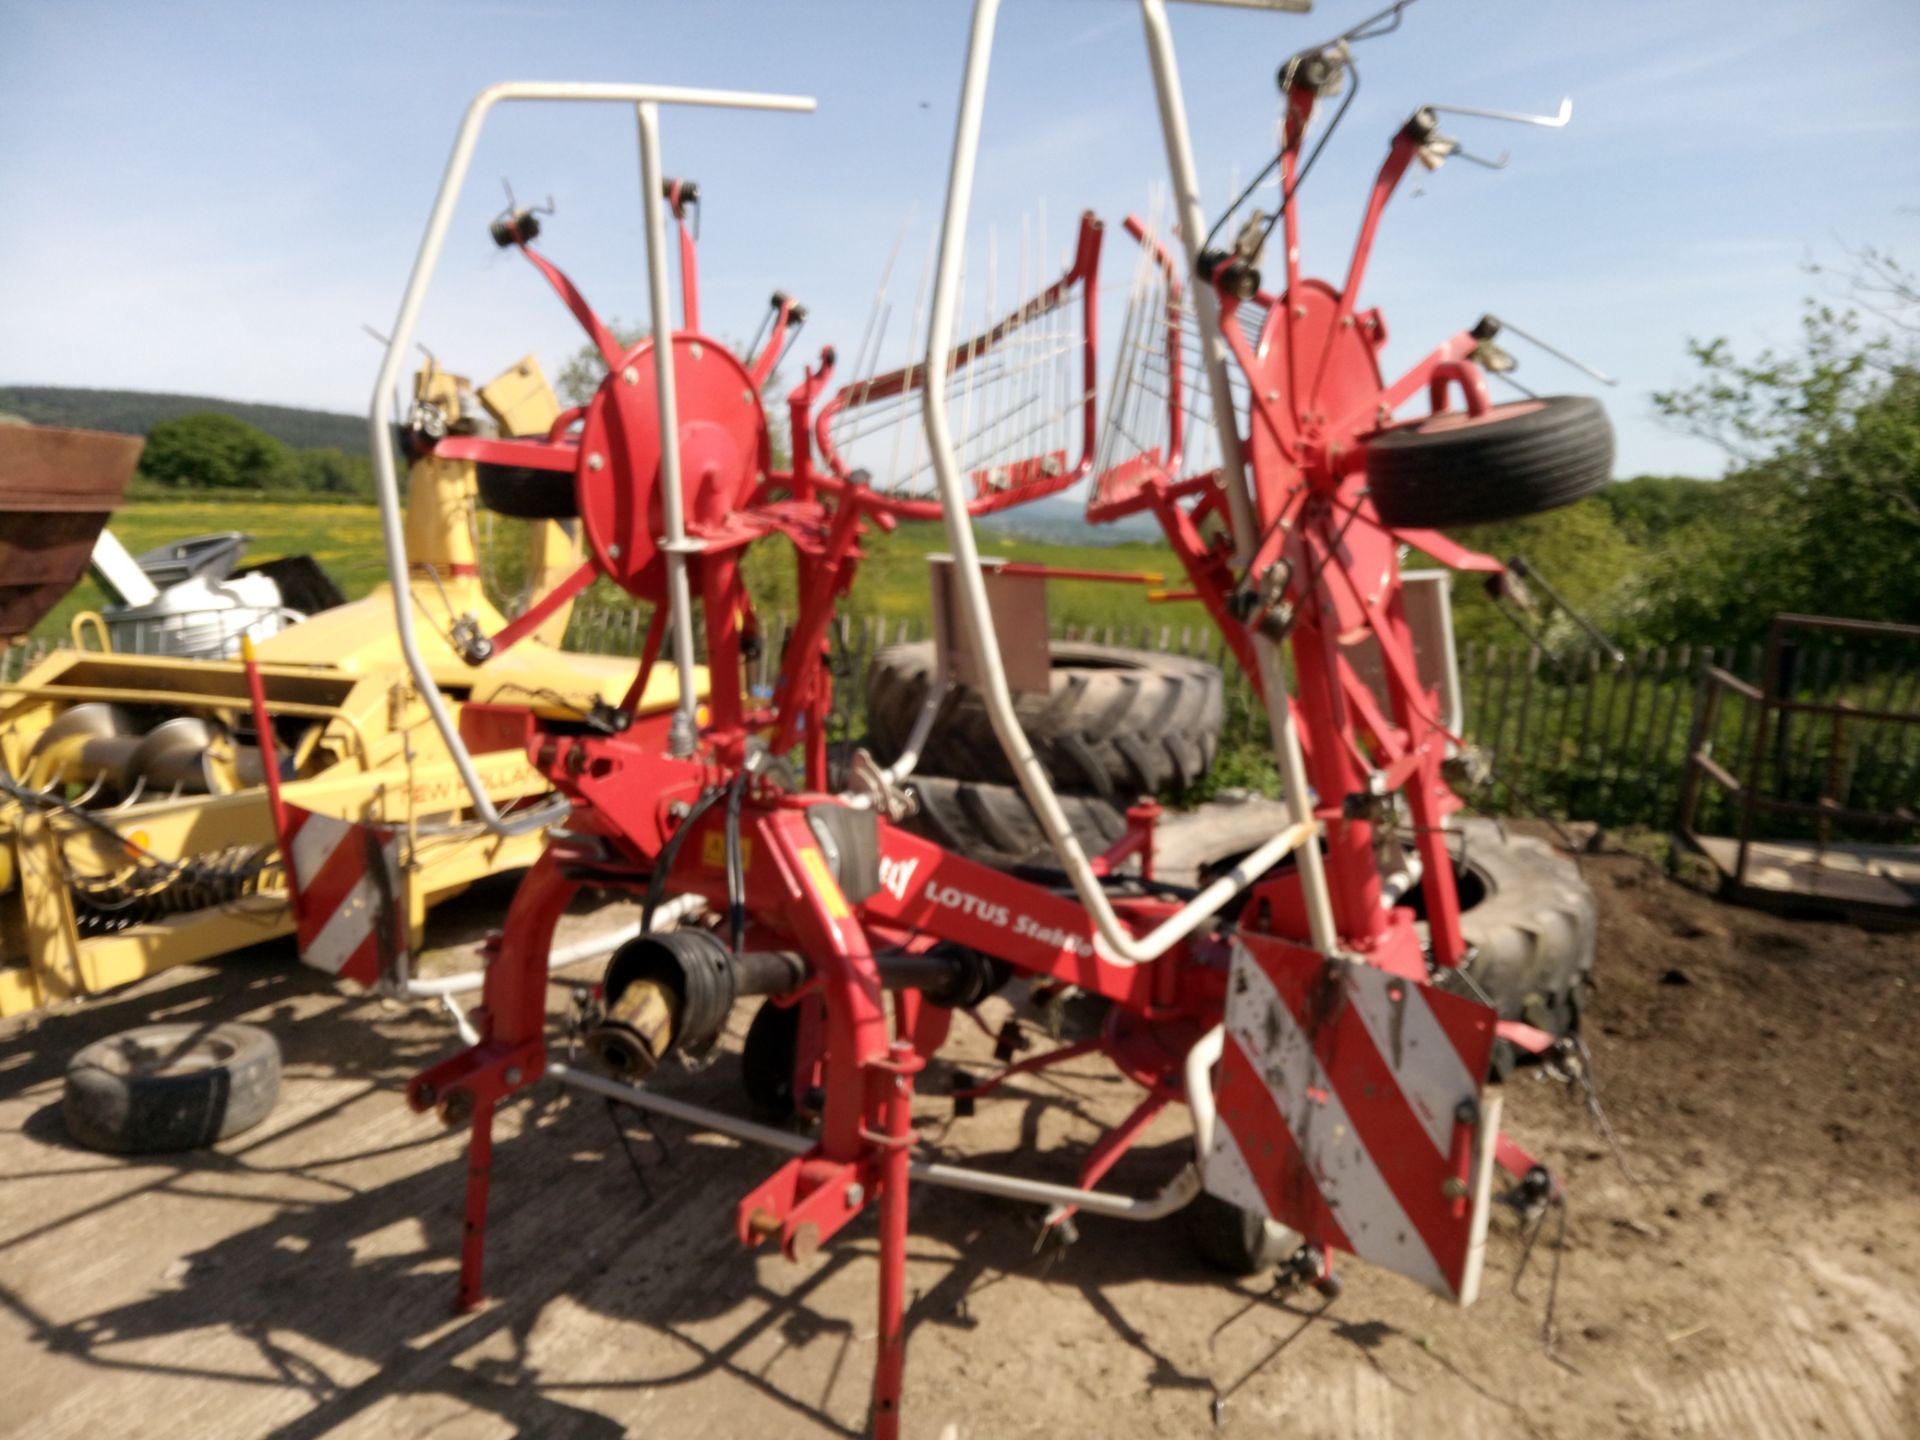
(1758, 1276)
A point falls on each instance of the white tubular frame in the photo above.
(668, 916)
(1246, 534)
(1172, 1196)
(1116, 942)
(646, 99)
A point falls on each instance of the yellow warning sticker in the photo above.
(815, 864)
(713, 851)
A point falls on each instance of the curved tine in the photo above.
(133, 796)
(1551, 122)
(1559, 354)
(92, 790)
(1500, 164)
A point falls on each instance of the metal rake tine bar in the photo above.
(889, 411)
(1055, 418)
(987, 427)
(962, 356)
(982, 461)
(914, 382)
(1556, 352)
(1554, 121)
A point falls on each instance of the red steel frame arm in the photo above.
(1449, 553)
(761, 366)
(1455, 348)
(830, 934)
(559, 457)
(1399, 155)
(1300, 102)
(536, 614)
(799, 423)
(1265, 407)
(689, 259)
(1086, 264)
(603, 339)
(823, 580)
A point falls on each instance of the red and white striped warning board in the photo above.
(348, 914)
(1350, 1110)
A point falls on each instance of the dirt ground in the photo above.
(1761, 1278)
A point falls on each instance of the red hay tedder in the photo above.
(1322, 1009)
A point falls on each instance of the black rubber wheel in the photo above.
(1116, 723)
(522, 492)
(1531, 921)
(767, 1058)
(170, 1087)
(994, 824)
(1239, 1242)
(1515, 460)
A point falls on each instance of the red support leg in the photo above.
(890, 1367)
(473, 1243)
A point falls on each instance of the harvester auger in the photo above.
(1320, 1029)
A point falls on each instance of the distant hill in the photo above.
(1057, 520)
(135, 412)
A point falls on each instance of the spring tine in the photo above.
(1551, 122)
(897, 419)
(1557, 353)
(880, 298)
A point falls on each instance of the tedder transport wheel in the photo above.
(1117, 723)
(1237, 1241)
(1515, 460)
(994, 825)
(1531, 919)
(170, 1087)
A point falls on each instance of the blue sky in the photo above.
(214, 198)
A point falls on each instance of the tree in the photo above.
(584, 369)
(1579, 550)
(1648, 508)
(215, 452)
(1821, 506)
(329, 472)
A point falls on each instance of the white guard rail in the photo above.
(646, 100)
(1116, 942)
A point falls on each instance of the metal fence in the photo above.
(1584, 735)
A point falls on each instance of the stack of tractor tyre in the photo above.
(1118, 724)
(1115, 726)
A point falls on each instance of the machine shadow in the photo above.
(568, 1217)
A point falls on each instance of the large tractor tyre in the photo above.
(1515, 460)
(1233, 1240)
(1118, 724)
(994, 824)
(1531, 921)
(170, 1087)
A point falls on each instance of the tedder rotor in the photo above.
(1320, 1008)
